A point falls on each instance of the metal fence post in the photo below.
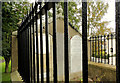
(108, 48)
(37, 48)
(112, 47)
(47, 43)
(98, 51)
(54, 43)
(117, 5)
(33, 45)
(90, 48)
(41, 46)
(95, 48)
(104, 51)
(84, 41)
(66, 42)
(101, 48)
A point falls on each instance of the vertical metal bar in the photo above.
(115, 47)
(33, 46)
(27, 68)
(104, 51)
(25, 58)
(21, 66)
(19, 53)
(28, 54)
(24, 49)
(117, 5)
(108, 48)
(112, 47)
(22, 56)
(41, 46)
(47, 43)
(101, 49)
(66, 42)
(18, 50)
(90, 48)
(25, 54)
(37, 49)
(22, 62)
(84, 41)
(98, 51)
(54, 44)
(95, 49)
(20, 35)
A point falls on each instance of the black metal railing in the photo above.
(28, 45)
(117, 20)
(103, 49)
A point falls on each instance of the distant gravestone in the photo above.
(76, 54)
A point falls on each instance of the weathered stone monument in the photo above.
(76, 54)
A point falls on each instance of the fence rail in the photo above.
(103, 49)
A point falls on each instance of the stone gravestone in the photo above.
(76, 54)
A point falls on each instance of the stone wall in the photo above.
(101, 72)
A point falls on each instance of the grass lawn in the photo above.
(81, 79)
(1, 58)
(5, 76)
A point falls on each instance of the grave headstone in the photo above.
(76, 54)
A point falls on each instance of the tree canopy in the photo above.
(12, 14)
(95, 13)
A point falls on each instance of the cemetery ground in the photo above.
(1, 58)
(5, 76)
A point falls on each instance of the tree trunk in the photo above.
(6, 65)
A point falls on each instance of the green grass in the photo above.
(5, 76)
(81, 79)
(1, 58)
